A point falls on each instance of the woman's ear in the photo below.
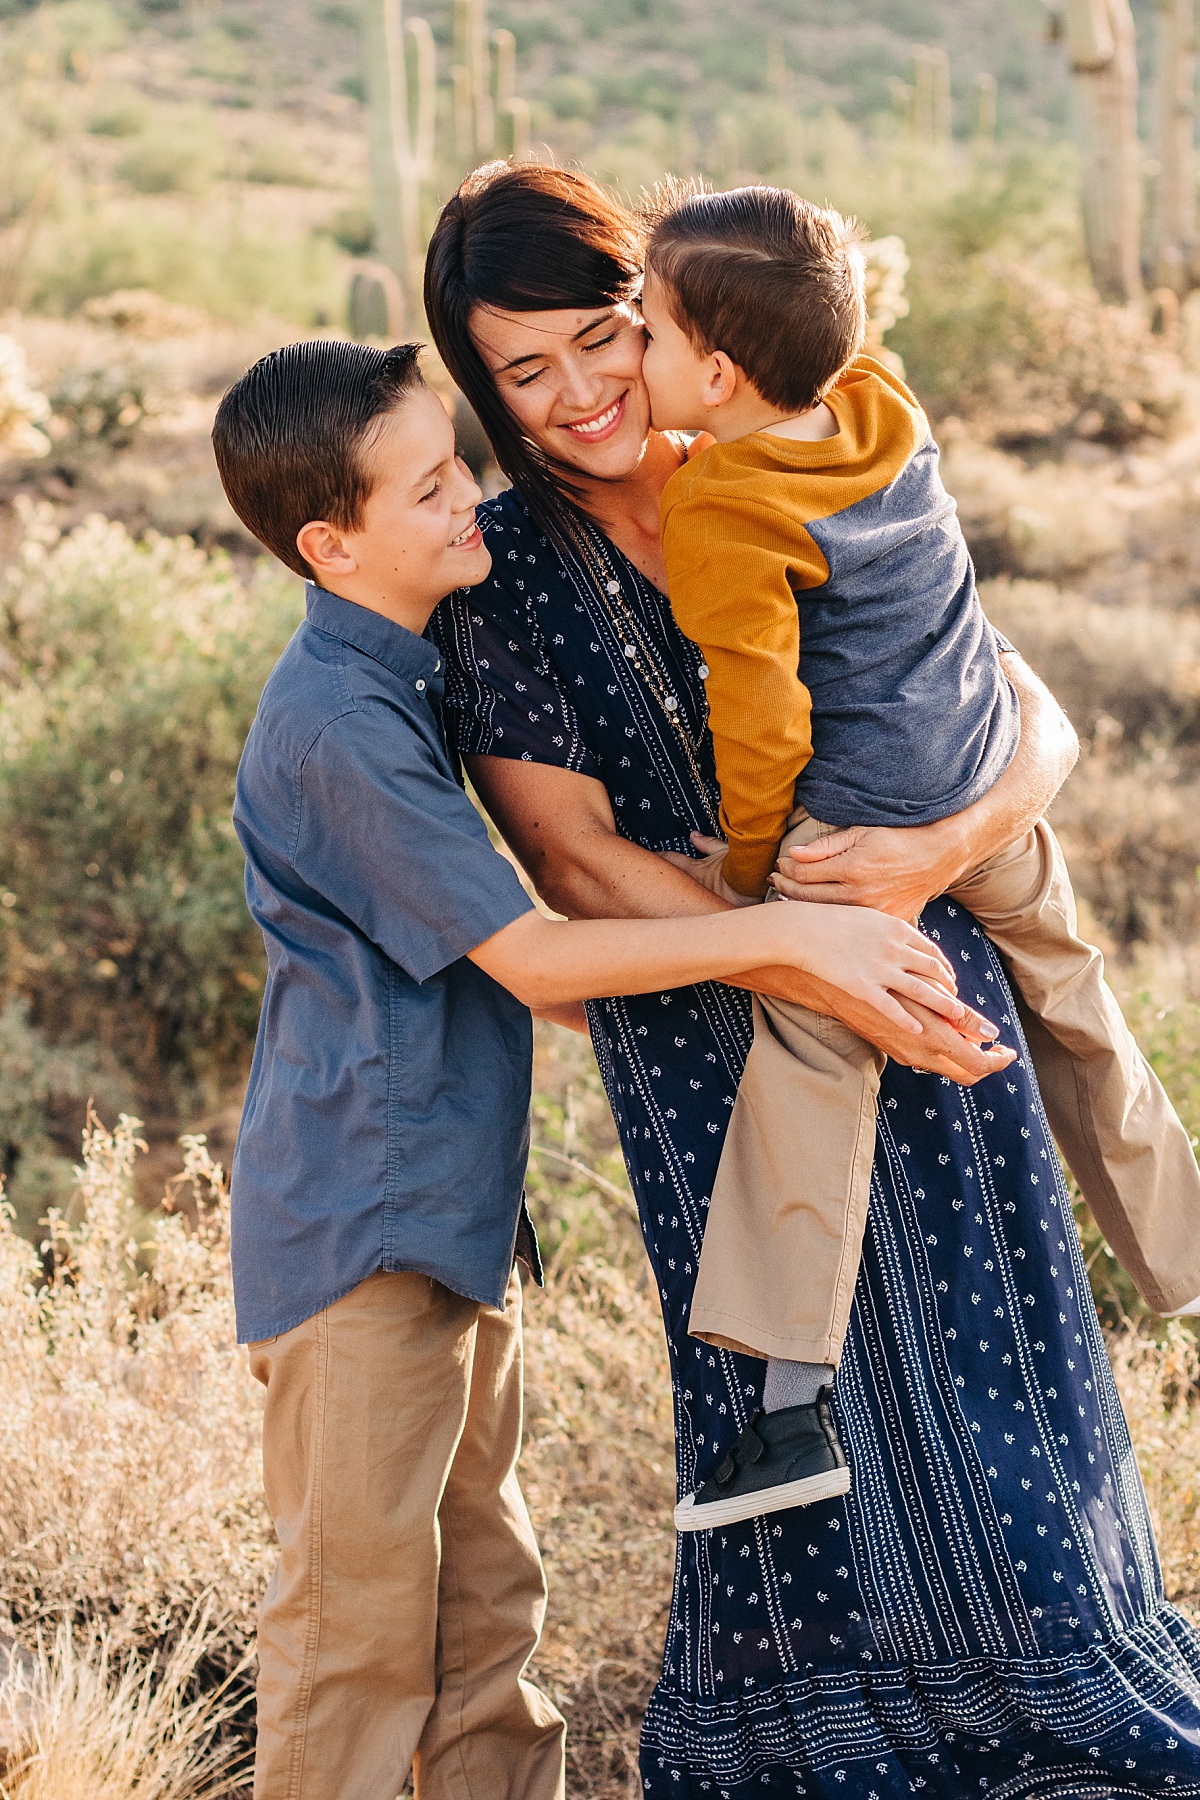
(324, 549)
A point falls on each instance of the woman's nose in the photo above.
(578, 386)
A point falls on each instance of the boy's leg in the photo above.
(783, 1236)
(1107, 1109)
(491, 1735)
(366, 1404)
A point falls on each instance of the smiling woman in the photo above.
(984, 1611)
(549, 344)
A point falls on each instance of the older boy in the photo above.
(816, 559)
(377, 1180)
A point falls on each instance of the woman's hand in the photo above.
(894, 869)
(878, 960)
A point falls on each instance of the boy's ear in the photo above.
(324, 549)
(721, 379)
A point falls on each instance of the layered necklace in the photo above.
(634, 643)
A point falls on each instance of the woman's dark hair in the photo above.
(527, 238)
(772, 280)
(290, 435)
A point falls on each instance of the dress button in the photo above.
(420, 687)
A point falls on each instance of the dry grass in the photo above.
(133, 1539)
(87, 1722)
(1158, 1383)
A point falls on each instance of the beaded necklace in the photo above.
(625, 622)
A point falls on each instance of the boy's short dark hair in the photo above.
(290, 435)
(772, 280)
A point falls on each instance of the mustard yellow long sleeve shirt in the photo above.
(856, 533)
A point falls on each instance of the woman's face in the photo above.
(573, 381)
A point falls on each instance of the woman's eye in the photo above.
(526, 379)
(601, 342)
(433, 493)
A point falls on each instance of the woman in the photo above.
(984, 1611)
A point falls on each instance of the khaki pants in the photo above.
(409, 1593)
(785, 1224)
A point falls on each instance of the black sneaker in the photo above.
(782, 1459)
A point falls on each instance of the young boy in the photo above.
(377, 1203)
(815, 558)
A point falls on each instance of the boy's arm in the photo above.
(547, 961)
(728, 567)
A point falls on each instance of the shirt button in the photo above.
(420, 687)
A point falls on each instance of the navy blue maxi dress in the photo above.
(983, 1614)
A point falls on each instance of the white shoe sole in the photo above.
(690, 1517)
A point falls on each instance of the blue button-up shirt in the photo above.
(386, 1124)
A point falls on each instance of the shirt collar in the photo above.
(397, 648)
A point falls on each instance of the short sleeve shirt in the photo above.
(386, 1123)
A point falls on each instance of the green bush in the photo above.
(135, 669)
(203, 255)
(170, 158)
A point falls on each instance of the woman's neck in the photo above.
(627, 511)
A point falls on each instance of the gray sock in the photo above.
(793, 1383)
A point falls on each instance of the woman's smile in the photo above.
(601, 425)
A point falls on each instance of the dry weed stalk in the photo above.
(98, 1724)
(130, 1483)
(129, 1457)
(1158, 1383)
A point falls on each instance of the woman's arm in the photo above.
(898, 870)
(561, 828)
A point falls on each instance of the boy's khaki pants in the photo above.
(789, 1206)
(409, 1593)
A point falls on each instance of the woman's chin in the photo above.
(618, 456)
(613, 456)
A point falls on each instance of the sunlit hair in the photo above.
(291, 437)
(527, 237)
(772, 280)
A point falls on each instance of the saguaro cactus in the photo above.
(1102, 50)
(932, 107)
(402, 99)
(1173, 233)
(474, 112)
(985, 109)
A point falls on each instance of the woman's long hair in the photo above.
(527, 238)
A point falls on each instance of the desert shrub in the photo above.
(135, 669)
(143, 314)
(1135, 667)
(274, 162)
(129, 1459)
(43, 1091)
(1159, 1383)
(1064, 364)
(202, 255)
(23, 409)
(95, 1723)
(173, 156)
(118, 115)
(1051, 519)
(105, 401)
